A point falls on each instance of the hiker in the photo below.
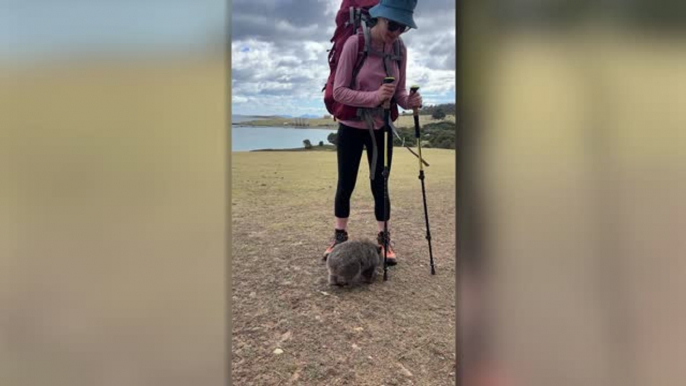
(388, 20)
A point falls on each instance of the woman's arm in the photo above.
(342, 93)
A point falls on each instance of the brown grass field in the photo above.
(282, 216)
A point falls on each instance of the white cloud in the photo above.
(279, 61)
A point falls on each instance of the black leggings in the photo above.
(349, 149)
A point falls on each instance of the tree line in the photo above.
(445, 108)
(440, 135)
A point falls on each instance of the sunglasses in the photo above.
(393, 26)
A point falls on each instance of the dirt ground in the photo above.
(289, 327)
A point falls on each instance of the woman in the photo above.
(390, 19)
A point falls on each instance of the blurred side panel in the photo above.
(112, 193)
(577, 175)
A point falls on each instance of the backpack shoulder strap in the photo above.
(363, 45)
(368, 40)
(367, 36)
(399, 50)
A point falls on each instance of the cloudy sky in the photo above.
(279, 59)
(49, 29)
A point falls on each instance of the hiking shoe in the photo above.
(339, 237)
(390, 255)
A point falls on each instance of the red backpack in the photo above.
(352, 18)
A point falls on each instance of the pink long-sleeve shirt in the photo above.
(369, 79)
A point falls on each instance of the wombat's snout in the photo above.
(337, 281)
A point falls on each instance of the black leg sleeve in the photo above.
(349, 152)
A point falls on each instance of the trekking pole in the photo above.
(386, 130)
(415, 113)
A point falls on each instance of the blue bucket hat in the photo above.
(399, 11)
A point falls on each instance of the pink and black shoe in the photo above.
(390, 256)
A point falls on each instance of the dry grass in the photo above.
(282, 217)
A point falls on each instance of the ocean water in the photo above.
(246, 138)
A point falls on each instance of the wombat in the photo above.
(353, 261)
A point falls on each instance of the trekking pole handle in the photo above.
(386, 80)
(415, 112)
(413, 89)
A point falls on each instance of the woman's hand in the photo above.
(414, 100)
(385, 92)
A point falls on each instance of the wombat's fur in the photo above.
(352, 261)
